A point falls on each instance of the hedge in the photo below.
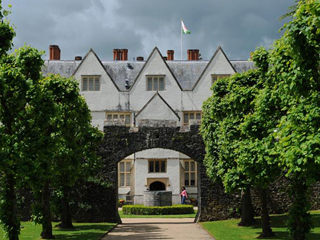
(166, 210)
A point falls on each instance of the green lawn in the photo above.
(82, 231)
(158, 216)
(228, 229)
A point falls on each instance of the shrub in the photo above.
(166, 210)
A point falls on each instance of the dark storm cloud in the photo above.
(239, 26)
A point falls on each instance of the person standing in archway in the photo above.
(184, 195)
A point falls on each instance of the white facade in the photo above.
(123, 96)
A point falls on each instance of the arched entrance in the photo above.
(157, 186)
(120, 142)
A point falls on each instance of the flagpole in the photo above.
(181, 37)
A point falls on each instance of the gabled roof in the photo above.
(157, 94)
(96, 56)
(186, 73)
(209, 63)
(153, 51)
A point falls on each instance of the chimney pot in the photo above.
(78, 58)
(124, 54)
(190, 54)
(170, 54)
(140, 58)
(196, 54)
(116, 54)
(54, 52)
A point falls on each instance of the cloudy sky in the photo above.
(238, 26)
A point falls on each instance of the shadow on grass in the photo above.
(280, 222)
(84, 232)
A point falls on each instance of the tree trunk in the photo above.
(11, 221)
(66, 220)
(299, 218)
(247, 211)
(265, 218)
(46, 211)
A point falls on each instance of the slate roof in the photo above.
(186, 72)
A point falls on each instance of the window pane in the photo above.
(186, 166)
(121, 116)
(157, 167)
(115, 117)
(122, 179)
(193, 179)
(122, 167)
(161, 84)
(109, 117)
(192, 166)
(97, 84)
(127, 119)
(214, 77)
(90, 84)
(186, 117)
(186, 179)
(163, 166)
(151, 168)
(191, 116)
(198, 116)
(128, 166)
(85, 84)
(128, 179)
(149, 84)
(155, 83)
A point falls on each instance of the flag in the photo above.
(184, 29)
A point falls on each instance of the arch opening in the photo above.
(157, 186)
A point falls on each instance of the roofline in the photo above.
(91, 51)
(149, 57)
(150, 100)
(213, 57)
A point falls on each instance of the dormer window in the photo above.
(155, 83)
(90, 83)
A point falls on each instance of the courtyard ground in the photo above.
(158, 228)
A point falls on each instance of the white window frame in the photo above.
(85, 83)
(160, 165)
(155, 82)
(116, 116)
(189, 172)
(125, 172)
(195, 115)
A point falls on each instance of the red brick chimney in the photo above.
(170, 54)
(193, 54)
(196, 54)
(189, 54)
(116, 54)
(124, 54)
(54, 52)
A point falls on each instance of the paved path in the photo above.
(158, 228)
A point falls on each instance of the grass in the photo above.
(193, 215)
(228, 229)
(82, 231)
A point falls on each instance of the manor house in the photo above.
(152, 92)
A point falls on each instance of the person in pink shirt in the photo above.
(183, 195)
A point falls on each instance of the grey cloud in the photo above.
(139, 25)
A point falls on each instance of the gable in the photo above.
(155, 65)
(91, 65)
(157, 109)
(219, 64)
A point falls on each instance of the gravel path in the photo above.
(158, 228)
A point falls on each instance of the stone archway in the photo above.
(120, 142)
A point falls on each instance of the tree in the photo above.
(72, 140)
(283, 127)
(19, 75)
